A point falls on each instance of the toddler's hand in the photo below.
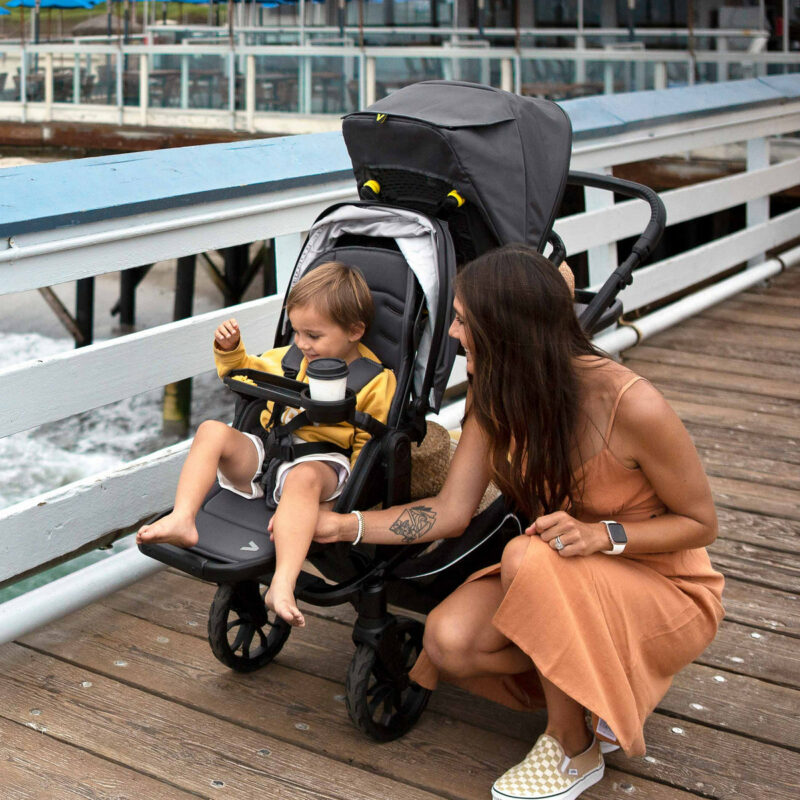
(227, 336)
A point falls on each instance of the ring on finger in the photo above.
(559, 545)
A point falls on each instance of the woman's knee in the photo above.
(448, 642)
(512, 558)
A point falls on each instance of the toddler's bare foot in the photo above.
(280, 599)
(172, 529)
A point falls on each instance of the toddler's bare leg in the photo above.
(293, 529)
(215, 444)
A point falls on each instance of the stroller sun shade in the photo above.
(507, 156)
(418, 240)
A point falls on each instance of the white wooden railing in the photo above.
(51, 526)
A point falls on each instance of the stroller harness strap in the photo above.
(279, 441)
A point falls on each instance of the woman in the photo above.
(610, 591)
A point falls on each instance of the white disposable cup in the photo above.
(327, 379)
(327, 390)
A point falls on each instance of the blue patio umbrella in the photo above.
(3, 11)
(52, 3)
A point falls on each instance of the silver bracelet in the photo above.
(360, 518)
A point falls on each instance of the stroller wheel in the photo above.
(382, 701)
(240, 632)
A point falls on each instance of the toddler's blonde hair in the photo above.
(337, 291)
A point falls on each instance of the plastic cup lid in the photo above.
(327, 369)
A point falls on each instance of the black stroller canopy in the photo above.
(506, 155)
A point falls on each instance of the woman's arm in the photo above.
(648, 434)
(445, 515)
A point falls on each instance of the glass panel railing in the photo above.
(277, 83)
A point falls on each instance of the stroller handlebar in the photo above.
(642, 247)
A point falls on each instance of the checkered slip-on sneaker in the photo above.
(547, 773)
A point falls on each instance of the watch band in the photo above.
(617, 537)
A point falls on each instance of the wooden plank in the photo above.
(773, 533)
(701, 377)
(732, 366)
(761, 607)
(771, 568)
(772, 405)
(724, 417)
(750, 468)
(304, 709)
(760, 297)
(729, 340)
(629, 218)
(747, 496)
(123, 367)
(781, 450)
(36, 766)
(160, 737)
(299, 708)
(50, 526)
(752, 708)
(768, 656)
(714, 763)
(737, 313)
(667, 277)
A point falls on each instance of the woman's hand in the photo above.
(227, 336)
(577, 538)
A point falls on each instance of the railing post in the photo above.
(659, 75)
(84, 310)
(250, 92)
(177, 407)
(144, 87)
(603, 258)
(120, 93)
(23, 84)
(304, 85)
(608, 77)
(184, 80)
(369, 81)
(757, 210)
(580, 61)
(232, 87)
(76, 79)
(48, 85)
(506, 75)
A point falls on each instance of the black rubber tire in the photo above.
(236, 651)
(379, 705)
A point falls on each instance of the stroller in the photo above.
(446, 171)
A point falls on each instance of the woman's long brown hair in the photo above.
(519, 314)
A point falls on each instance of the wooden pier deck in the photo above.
(124, 699)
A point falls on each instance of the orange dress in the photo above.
(611, 632)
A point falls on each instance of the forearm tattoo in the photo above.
(413, 523)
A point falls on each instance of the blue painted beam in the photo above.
(606, 115)
(59, 194)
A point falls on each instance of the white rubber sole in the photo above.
(574, 791)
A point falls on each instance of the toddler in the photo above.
(330, 310)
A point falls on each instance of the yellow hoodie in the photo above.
(374, 399)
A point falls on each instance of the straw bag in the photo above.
(430, 463)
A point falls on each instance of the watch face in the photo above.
(617, 533)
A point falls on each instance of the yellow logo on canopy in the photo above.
(380, 118)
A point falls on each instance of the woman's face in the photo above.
(458, 330)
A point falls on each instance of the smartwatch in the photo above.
(617, 536)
